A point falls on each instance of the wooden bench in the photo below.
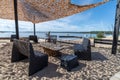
(83, 51)
(22, 50)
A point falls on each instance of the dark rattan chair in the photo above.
(33, 38)
(83, 51)
(69, 62)
(22, 50)
(12, 38)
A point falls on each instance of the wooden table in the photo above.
(51, 49)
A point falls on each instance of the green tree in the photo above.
(100, 35)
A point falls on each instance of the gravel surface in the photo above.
(102, 67)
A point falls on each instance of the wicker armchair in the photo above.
(83, 51)
(22, 50)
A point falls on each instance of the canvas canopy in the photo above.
(42, 10)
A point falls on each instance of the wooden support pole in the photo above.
(16, 19)
(116, 29)
(34, 30)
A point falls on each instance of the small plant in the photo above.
(100, 35)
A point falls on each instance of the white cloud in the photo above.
(99, 26)
(56, 26)
(77, 17)
(64, 24)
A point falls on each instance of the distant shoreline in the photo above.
(88, 32)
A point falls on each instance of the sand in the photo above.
(102, 66)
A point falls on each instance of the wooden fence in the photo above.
(104, 41)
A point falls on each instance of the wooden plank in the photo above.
(70, 37)
(104, 40)
(101, 41)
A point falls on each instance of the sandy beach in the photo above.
(102, 66)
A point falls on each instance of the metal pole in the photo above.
(116, 29)
(16, 19)
(34, 30)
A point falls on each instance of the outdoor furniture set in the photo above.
(81, 51)
(37, 60)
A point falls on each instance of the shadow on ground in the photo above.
(81, 65)
(49, 71)
(25, 60)
(98, 56)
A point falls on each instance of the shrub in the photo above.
(100, 35)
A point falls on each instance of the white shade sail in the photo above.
(42, 10)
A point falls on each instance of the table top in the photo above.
(53, 46)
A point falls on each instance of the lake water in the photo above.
(43, 34)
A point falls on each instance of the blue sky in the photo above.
(100, 18)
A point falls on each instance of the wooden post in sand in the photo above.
(34, 30)
(116, 28)
(16, 19)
